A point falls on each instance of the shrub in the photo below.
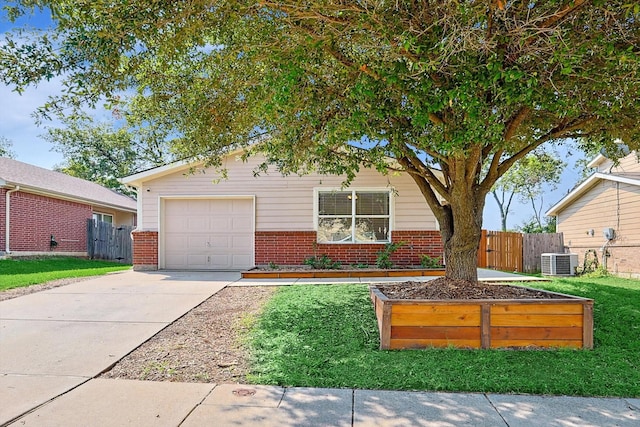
(430, 262)
(384, 256)
(322, 263)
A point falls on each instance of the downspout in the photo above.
(7, 217)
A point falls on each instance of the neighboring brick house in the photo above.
(602, 215)
(38, 206)
(198, 221)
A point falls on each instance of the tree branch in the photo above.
(514, 122)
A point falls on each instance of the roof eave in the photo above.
(64, 196)
(596, 161)
(586, 185)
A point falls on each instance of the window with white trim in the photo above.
(354, 216)
(103, 217)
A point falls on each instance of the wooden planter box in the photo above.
(515, 323)
(315, 274)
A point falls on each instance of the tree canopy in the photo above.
(103, 152)
(526, 180)
(463, 87)
(5, 147)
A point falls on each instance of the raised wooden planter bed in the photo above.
(315, 274)
(514, 323)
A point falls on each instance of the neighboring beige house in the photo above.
(603, 214)
(197, 221)
(46, 212)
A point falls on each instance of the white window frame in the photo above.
(99, 216)
(316, 212)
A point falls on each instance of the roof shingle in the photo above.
(30, 177)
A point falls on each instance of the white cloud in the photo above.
(18, 124)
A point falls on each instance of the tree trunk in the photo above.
(459, 216)
(461, 231)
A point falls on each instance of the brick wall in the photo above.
(2, 220)
(145, 250)
(291, 248)
(623, 260)
(35, 218)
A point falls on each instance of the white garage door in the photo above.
(208, 234)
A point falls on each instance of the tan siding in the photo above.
(628, 164)
(607, 204)
(119, 217)
(284, 203)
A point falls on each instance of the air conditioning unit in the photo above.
(559, 264)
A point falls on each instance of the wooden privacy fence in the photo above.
(104, 241)
(509, 251)
(534, 245)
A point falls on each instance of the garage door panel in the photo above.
(179, 242)
(221, 225)
(241, 242)
(208, 233)
(241, 222)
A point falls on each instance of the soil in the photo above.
(341, 267)
(444, 288)
(204, 346)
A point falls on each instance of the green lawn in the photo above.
(326, 336)
(15, 273)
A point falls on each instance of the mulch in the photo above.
(444, 288)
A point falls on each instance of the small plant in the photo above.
(322, 263)
(384, 256)
(273, 266)
(360, 265)
(430, 262)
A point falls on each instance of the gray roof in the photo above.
(32, 178)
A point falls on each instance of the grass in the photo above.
(15, 273)
(326, 336)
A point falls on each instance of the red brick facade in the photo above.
(291, 248)
(35, 218)
(145, 250)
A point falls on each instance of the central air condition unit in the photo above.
(559, 264)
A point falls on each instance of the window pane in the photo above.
(338, 203)
(372, 204)
(334, 230)
(107, 218)
(372, 230)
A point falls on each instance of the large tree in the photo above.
(464, 87)
(102, 152)
(526, 180)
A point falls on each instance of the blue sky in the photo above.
(16, 121)
(18, 125)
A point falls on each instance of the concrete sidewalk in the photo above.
(110, 403)
(54, 343)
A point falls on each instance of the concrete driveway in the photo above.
(53, 341)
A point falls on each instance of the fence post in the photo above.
(482, 250)
(90, 238)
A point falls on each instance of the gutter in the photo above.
(7, 217)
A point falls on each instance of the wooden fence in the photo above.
(509, 251)
(534, 245)
(104, 241)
